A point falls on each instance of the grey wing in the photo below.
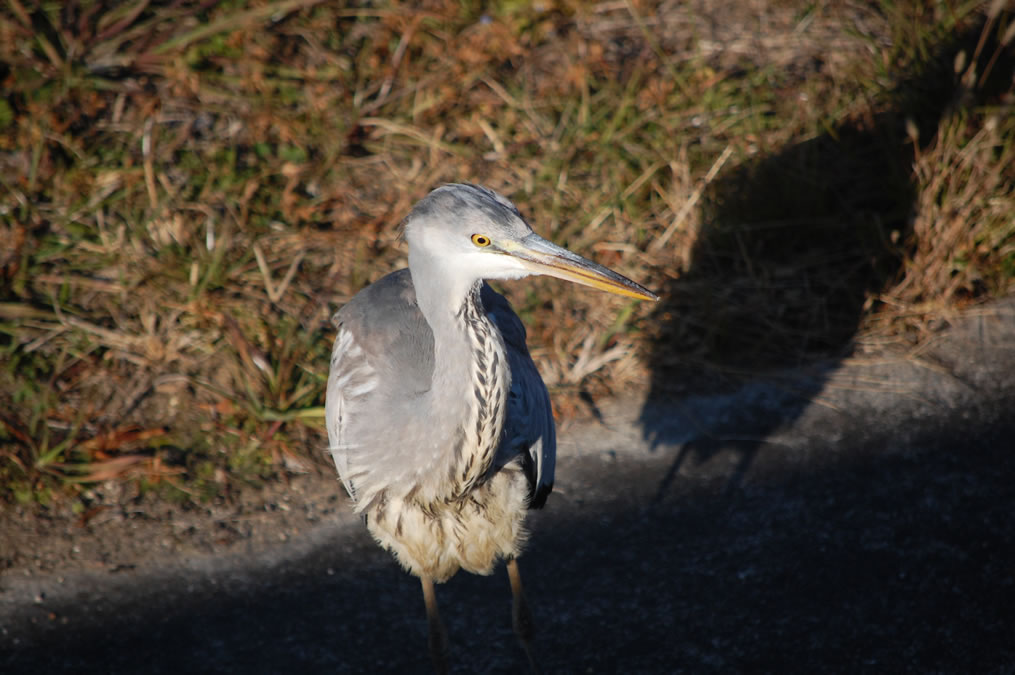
(529, 428)
(383, 344)
(351, 378)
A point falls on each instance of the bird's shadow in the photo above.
(792, 247)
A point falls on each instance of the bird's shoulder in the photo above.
(389, 298)
(385, 323)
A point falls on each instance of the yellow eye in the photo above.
(480, 240)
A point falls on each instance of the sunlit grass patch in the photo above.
(191, 189)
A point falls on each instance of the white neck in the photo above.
(471, 378)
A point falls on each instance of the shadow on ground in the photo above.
(887, 557)
(792, 247)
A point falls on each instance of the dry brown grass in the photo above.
(964, 217)
(191, 189)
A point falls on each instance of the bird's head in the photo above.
(475, 233)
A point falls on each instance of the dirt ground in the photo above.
(854, 518)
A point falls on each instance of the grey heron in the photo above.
(438, 421)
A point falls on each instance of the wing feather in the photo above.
(383, 345)
(529, 429)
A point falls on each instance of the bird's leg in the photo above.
(521, 617)
(438, 640)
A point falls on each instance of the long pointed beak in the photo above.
(543, 257)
